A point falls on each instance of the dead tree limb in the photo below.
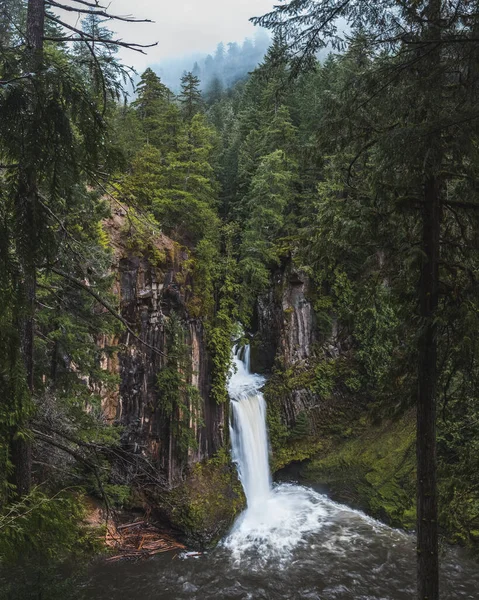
(108, 306)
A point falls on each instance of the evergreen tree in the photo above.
(151, 93)
(153, 102)
(196, 70)
(176, 181)
(270, 192)
(98, 62)
(190, 96)
(52, 144)
(214, 91)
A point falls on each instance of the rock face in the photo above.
(299, 332)
(285, 322)
(150, 284)
(285, 334)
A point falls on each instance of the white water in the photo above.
(277, 519)
(249, 438)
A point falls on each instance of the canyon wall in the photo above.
(152, 289)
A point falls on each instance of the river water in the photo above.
(290, 543)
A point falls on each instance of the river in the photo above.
(291, 542)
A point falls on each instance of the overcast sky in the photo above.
(182, 27)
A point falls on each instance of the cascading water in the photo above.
(249, 437)
(277, 518)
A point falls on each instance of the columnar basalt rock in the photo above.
(150, 289)
(284, 322)
(286, 333)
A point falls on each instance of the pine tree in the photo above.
(270, 192)
(214, 91)
(152, 94)
(196, 70)
(176, 179)
(190, 96)
(51, 135)
(153, 106)
(98, 62)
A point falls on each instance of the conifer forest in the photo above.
(239, 314)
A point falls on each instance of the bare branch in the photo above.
(108, 306)
(79, 457)
(95, 4)
(99, 13)
(91, 38)
(135, 47)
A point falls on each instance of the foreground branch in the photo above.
(83, 37)
(108, 306)
(97, 12)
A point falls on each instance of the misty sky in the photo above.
(183, 27)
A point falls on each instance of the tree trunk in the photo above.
(20, 447)
(427, 527)
(35, 30)
(427, 533)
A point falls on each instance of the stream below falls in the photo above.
(290, 543)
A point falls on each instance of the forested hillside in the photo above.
(230, 63)
(323, 213)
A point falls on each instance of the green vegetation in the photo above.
(349, 184)
(180, 401)
(207, 504)
(375, 471)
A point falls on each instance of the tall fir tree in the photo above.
(190, 96)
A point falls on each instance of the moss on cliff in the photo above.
(286, 445)
(374, 471)
(309, 405)
(205, 506)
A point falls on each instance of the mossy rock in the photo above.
(374, 471)
(206, 505)
(295, 451)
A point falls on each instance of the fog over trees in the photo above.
(229, 63)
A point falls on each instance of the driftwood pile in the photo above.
(139, 540)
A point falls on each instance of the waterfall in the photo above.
(249, 437)
(278, 518)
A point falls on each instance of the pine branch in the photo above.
(108, 306)
(8, 81)
(100, 71)
(13, 515)
(98, 13)
(42, 201)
